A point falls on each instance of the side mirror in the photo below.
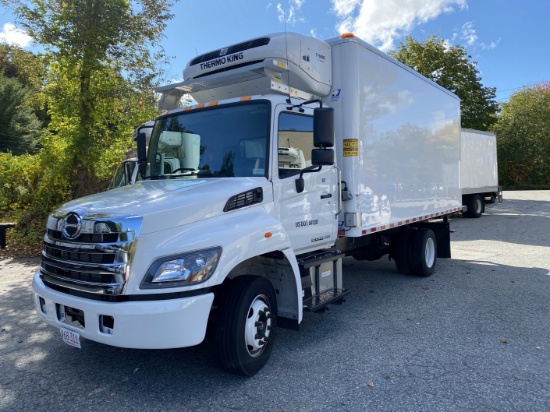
(323, 127)
(142, 153)
(322, 157)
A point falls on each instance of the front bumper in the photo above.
(156, 324)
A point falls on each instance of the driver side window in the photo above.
(294, 142)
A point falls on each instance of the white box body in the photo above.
(397, 140)
(478, 170)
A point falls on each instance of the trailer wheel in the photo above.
(245, 329)
(423, 252)
(401, 252)
(475, 206)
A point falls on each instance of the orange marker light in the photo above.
(348, 35)
(267, 235)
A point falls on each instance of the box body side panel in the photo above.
(479, 171)
(398, 140)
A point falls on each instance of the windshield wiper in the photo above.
(188, 173)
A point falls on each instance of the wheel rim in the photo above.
(429, 252)
(258, 326)
(478, 205)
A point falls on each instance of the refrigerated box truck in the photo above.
(298, 153)
(478, 171)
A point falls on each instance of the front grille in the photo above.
(87, 237)
(78, 255)
(92, 262)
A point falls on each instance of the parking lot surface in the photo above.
(475, 336)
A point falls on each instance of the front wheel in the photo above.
(245, 329)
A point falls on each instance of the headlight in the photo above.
(182, 270)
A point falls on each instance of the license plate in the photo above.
(70, 337)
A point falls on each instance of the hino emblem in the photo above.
(71, 225)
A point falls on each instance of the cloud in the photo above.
(468, 37)
(290, 16)
(490, 46)
(14, 36)
(382, 22)
(468, 34)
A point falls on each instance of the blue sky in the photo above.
(508, 39)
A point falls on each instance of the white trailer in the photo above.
(299, 152)
(478, 171)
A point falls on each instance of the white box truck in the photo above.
(478, 171)
(299, 152)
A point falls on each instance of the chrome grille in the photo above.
(87, 237)
(91, 262)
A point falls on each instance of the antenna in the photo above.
(287, 61)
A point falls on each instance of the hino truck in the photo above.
(478, 171)
(298, 153)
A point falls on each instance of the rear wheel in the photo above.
(475, 206)
(423, 252)
(245, 328)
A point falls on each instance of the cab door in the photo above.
(309, 217)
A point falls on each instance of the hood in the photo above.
(165, 204)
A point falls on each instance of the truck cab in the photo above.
(213, 231)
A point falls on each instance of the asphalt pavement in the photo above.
(475, 336)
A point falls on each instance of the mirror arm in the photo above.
(300, 181)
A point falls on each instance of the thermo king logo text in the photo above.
(222, 60)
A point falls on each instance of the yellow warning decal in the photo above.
(351, 147)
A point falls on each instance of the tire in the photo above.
(475, 206)
(423, 252)
(245, 327)
(401, 252)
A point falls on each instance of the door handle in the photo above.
(326, 196)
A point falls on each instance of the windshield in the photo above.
(222, 141)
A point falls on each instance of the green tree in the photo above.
(20, 128)
(30, 70)
(523, 138)
(25, 66)
(102, 69)
(453, 69)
